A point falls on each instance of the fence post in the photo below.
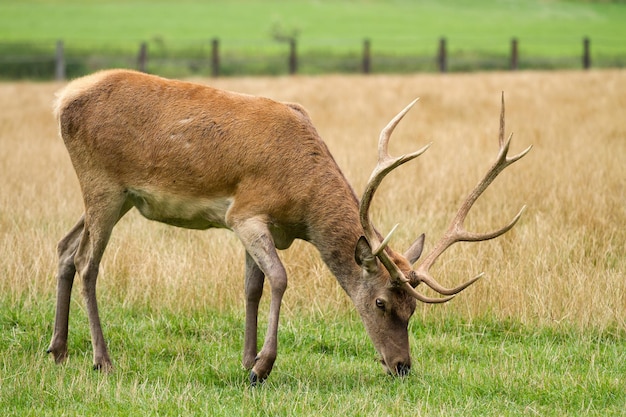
(59, 67)
(293, 59)
(143, 57)
(514, 54)
(442, 56)
(367, 57)
(215, 57)
(586, 53)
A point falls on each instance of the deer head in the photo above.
(386, 306)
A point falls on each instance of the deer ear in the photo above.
(363, 255)
(415, 251)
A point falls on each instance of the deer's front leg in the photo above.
(254, 291)
(259, 245)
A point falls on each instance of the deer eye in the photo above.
(380, 304)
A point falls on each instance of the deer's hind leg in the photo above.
(81, 251)
(102, 213)
(66, 250)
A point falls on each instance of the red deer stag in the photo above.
(196, 157)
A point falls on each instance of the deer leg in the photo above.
(99, 222)
(254, 291)
(66, 250)
(259, 244)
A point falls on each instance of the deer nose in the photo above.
(402, 369)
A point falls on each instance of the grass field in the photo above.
(404, 33)
(120, 22)
(543, 334)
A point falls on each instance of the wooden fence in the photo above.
(292, 58)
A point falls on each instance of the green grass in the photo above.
(118, 22)
(173, 364)
(404, 33)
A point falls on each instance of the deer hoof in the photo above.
(255, 380)
(103, 367)
(59, 354)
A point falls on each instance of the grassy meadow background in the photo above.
(544, 333)
(404, 34)
(126, 22)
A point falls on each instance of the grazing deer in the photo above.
(196, 157)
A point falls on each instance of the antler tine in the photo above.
(385, 135)
(385, 241)
(456, 231)
(420, 297)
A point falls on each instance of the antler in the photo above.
(386, 163)
(456, 231)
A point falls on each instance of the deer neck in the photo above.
(335, 232)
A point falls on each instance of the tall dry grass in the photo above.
(564, 262)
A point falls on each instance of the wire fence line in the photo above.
(232, 57)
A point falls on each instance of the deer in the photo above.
(197, 157)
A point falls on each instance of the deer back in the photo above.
(171, 138)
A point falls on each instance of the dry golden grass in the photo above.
(564, 262)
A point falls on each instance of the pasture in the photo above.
(404, 34)
(543, 333)
(397, 26)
